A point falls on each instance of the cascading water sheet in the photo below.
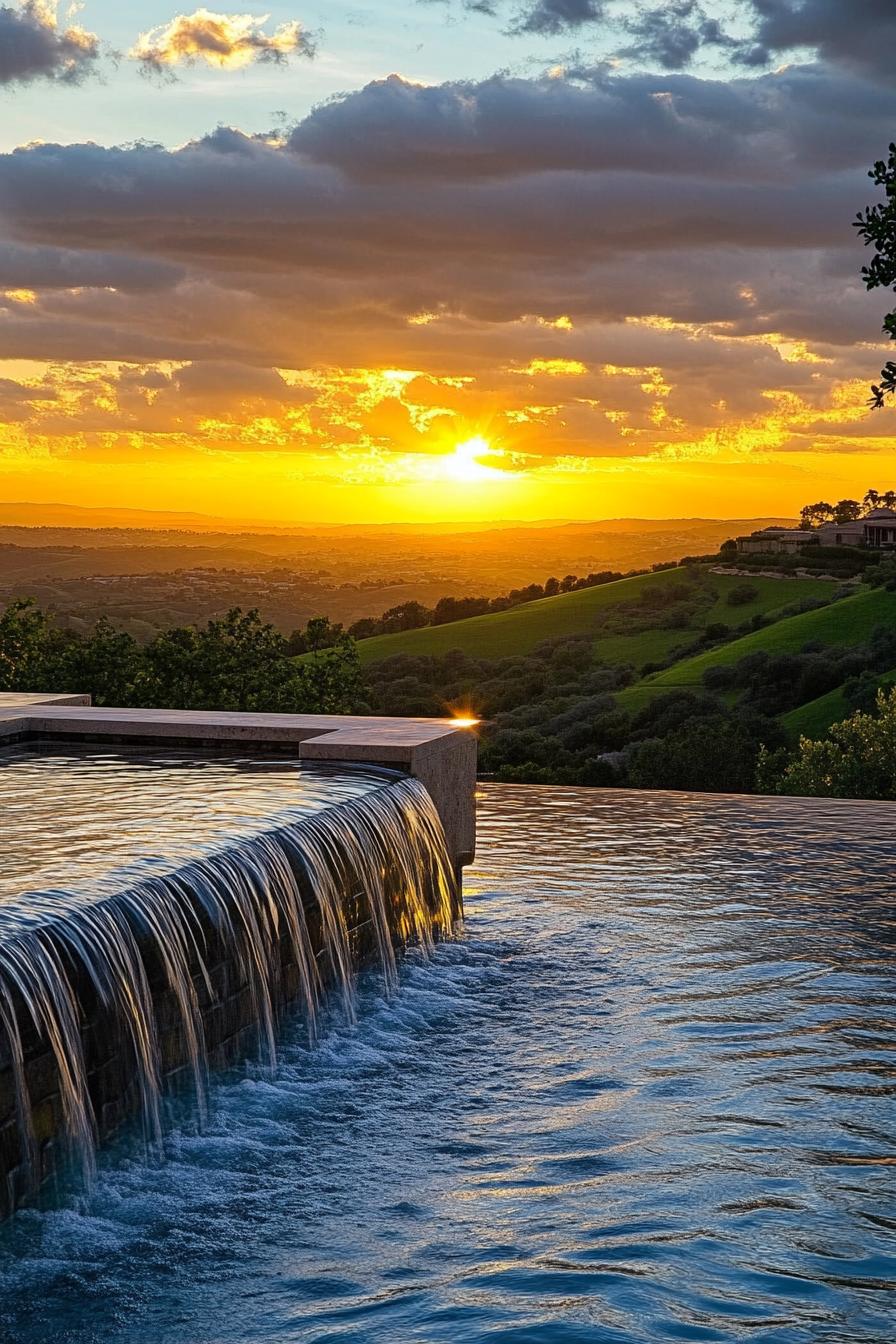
(124, 873)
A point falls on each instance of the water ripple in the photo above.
(646, 1097)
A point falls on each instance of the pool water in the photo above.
(647, 1095)
(90, 820)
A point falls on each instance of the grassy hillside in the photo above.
(849, 621)
(815, 718)
(518, 631)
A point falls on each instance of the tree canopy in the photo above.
(845, 510)
(239, 662)
(877, 227)
(857, 759)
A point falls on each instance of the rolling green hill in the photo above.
(849, 621)
(518, 631)
(815, 718)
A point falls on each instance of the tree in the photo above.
(363, 629)
(877, 228)
(242, 663)
(876, 499)
(27, 645)
(329, 682)
(856, 760)
(813, 514)
(847, 511)
(237, 663)
(713, 755)
(319, 633)
(106, 664)
(406, 616)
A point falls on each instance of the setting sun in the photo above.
(464, 464)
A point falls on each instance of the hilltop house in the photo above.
(877, 530)
(774, 540)
(842, 534)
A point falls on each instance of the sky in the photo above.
(442, 259)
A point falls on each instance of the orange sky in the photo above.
(372, 452)
(579, 288)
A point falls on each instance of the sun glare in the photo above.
(464, 465)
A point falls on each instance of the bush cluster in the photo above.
(236, 663)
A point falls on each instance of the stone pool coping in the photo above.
(438, 752)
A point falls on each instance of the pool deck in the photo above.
(436, 751)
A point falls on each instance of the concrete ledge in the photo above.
(15, 700)
(438, 752)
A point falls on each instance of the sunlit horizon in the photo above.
(462, 272)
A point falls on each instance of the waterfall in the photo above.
(275, 915)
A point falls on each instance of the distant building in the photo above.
(876, 530)
(842, 534)
(775, 540)
(880, 528)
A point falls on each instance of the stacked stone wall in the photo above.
(231, 1035)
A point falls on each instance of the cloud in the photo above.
(228, 41)
(49, 268)
(34, 46)
(673, 35)
(859, 35)
(855, 35)
(579, 243)
(225, 384)
(775, 126)
(558, 16)
(19, 401)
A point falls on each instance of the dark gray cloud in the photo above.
(272, 208)
(26, 267)
(672, 35)
(776, 126)
(541, 197)
(34, 46)
(857, 34)
(558, 16)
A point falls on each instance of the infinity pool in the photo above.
(83, 820)
(648, 1095)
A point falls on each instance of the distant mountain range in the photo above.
(148, 570)
(74, 516)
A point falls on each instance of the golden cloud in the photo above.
(555, 368)
(228, 41)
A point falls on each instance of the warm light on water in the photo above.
(97, 818)
(648, 1096)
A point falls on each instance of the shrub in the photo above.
(720, 678)
(856, 760)
(742, 594)
(714, 755)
